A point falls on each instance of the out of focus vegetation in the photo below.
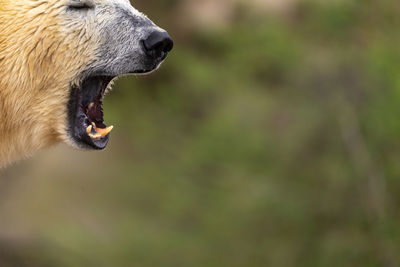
(269, 139)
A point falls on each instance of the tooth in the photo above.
(91, 105)
(89, 129)
(100, 132)
(95, 136)
(104, 132)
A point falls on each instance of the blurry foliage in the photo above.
(273, 142)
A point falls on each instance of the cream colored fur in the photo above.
(40, 56)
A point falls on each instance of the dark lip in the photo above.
(140, 72)
(153, 66)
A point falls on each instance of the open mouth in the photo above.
(86, 126)
(85, 112)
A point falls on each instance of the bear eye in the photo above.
(80, 6)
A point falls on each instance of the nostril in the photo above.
(158, 43)
(168, 44)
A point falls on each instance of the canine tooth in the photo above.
(100, 132)
(104, 132)
(91, 105)
(89, 129)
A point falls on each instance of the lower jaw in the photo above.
(88, 143)
(84, 141)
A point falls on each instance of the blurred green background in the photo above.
(269, 137)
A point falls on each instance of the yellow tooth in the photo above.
(100, 132)
(89, 129)
(104, 132)
(95, 136)
(91, 105)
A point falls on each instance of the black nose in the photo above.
(158, 44)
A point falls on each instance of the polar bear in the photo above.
(57, 60)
